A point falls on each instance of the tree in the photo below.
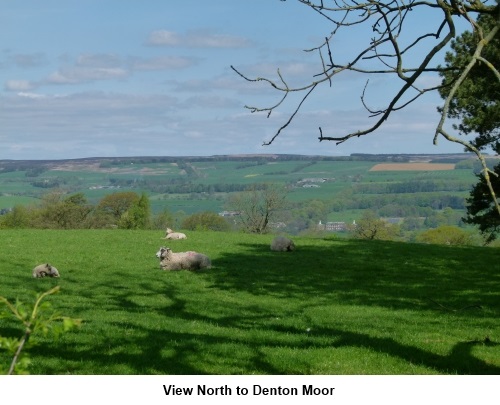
(446, 235)
(476, 104)
(162, 220)
(137, 216)
(18, 217)
(391, 43)
(117, 204)
(63, 213)
(257, 207)
(74, 211)
(481, 210)
(371, 227)
(476, 101)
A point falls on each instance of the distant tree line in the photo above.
(180, 186)
(412, 186)
(371, 226)
(418, 203)
(123, 210)
(126, 210)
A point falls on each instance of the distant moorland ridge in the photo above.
(10, 164)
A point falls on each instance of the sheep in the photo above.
(174, 235)
(43, 270)
(182, 260)
(282, 244)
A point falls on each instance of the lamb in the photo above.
(282, 244)
(182, 260)
(43, 270)
(174, 235)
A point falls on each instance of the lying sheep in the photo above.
(182, 260)
(43, 270)
(174, 235)
(282, 244)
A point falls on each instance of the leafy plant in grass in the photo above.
(33, 319)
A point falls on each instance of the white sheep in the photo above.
(282, 244)
(182, 260)
(174, 235)
(43, 270)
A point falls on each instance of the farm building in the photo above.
(332, 226)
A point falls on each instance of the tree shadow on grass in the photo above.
(164, 350)
(182, 334)
(394, 275)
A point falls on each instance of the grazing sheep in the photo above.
(182, 260)
(174, 235)
(43, 270)
(282, 244)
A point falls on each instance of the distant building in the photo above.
(332, 226)
(312, 182)
(229, 213)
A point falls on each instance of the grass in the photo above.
(330, 307)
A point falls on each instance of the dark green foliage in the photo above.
(476, 103)
(137, 216)
(116, 204)
(480, 209)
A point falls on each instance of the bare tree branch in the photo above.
(388, 21)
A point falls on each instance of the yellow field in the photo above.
(412, 166)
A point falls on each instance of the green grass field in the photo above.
(330, 307)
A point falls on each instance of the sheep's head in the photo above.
(52, 271)
(162, 252)
(169, 230)
(48, 270)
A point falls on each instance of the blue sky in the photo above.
(152, 78)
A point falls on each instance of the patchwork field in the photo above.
(318, 188)
(380, 167)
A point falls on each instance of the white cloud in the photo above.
(19, 85)
(211, 102)
(30, 95)
(162, 63)
(74, 75)
(23, 60)
(164, 38)
(100, 60)
(196, 39)
(100, 124)
(97, 67)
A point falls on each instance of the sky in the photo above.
(104, 78)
